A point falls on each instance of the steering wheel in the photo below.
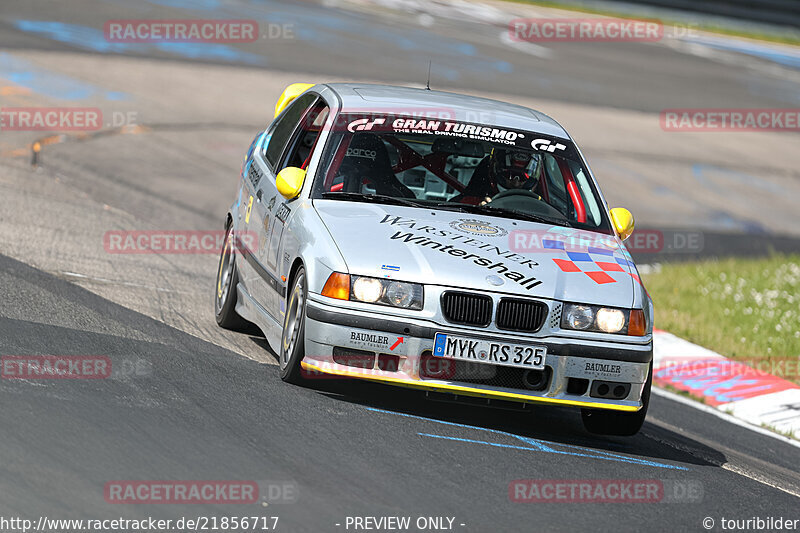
(527, 201)
(516, 192)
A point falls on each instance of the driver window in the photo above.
(305, 139)
(285, 126)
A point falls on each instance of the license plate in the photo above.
(490, 352)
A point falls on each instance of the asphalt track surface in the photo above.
(207, 403)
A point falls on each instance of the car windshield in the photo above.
(445, 164)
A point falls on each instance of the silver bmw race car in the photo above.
(437, 241)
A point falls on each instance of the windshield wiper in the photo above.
(375, 198)
(502, 211)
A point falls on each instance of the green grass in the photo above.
(740, 308)
(782, 38)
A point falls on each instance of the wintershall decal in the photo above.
(498, 266)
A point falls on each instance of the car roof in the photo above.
(366, 97)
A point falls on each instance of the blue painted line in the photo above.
(95, 40)
(561, 452)
(533, 444)
(48, 83)
(786, 58)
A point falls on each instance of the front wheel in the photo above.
(293, 339)
(225, 293)
(602, 422)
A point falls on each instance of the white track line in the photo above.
(724, 416)
(525, 46)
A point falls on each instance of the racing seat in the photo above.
(367, 161)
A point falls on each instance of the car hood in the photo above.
(470, 251)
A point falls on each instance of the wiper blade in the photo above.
(501, 211)
(375, 198)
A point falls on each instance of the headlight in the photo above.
(387, 292)
(367, 289)
(603, 319)
(579, 316)
(610, 320)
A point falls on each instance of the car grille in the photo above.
(467, 308)
(520, 315)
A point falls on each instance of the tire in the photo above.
(225, 292)
(603, 422)
(293, 345)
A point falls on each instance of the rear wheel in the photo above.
(602, 422)
(225, 293)
(293, 340)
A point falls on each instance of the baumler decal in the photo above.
(477, 227)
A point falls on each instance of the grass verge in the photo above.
(740, 308)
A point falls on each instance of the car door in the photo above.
(261, 209)
(276, 208)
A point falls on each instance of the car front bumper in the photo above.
(398, 346)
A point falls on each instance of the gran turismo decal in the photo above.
(465, 130)
(364, 124)
(478, 227)
(456, 129)
(547, 146)
(421, 125)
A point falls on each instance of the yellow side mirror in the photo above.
(290, 181)
(623, 222)
(290, 93)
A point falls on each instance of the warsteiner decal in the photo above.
(477, 227)
(460, 237)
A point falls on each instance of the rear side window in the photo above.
(285, 126)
